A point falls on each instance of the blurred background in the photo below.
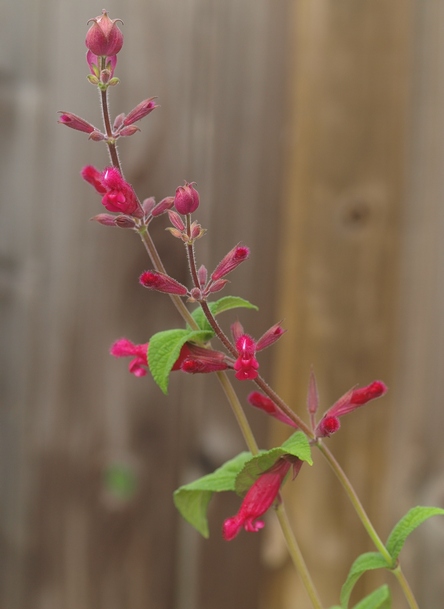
(315, 132)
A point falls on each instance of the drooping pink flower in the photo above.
(350, 401)
(263, 402)
(118, 195)
(260, 497)
(104, 37)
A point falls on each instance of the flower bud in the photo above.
(75, 122)
(127, 131)
(141, 110)
(160, 282)
(163, 206)
(270, 336)
(186, 200)
(233, 259)
(104, 37)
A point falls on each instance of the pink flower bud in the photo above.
(148, 205)
(186, 200)
(202, 275)
(124, 222)
(263, 402)
(118, 121)
(105, 219)
(176, 220)
(141, 110)
(96, 136)
(75, 122)
(270, 337)
(104, 37)
(160, 282)
(328, 425)
(217, 286)
(128, 131)
(233, 259)
(163, 206)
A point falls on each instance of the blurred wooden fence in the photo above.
(345, 237)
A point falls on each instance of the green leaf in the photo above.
(219, 306)
(406, 525)
(192, 499)
(379, 599)
(297, 445)
(164, 349)
(365, 562)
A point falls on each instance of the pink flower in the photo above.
(186, 200)
(104, 37)
(246, 365)
(192, 358)
(260, 497)
(350, 401)
(125, 348)
(118, 195)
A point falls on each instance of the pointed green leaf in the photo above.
(365, 562)
(406, 525)
(219, 306)
(378, 599)
(297, 445)
(164, 349)
(192, 499)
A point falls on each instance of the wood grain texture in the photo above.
(69, 288)
(339, 268)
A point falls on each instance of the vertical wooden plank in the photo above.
(339, 263)
(417, 454)
(70, 288)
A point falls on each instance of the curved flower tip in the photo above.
(232, 526)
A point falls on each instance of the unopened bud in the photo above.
(270, 336)
(217, 286)
(141, 110)
(202, 275)
(124, 222)
(105, 219)
(104, 37)
(186, 200)
(163, 206)
(233, 259)
(160, 282)
(148, 205)
(176, 220)
(327, 426)
(75, 122)
(128, 131)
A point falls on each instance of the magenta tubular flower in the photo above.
(263, 402)
(350, 401)
(104, 37)
(75, 122)
(125, 348)
(186, 200)
(246, 365)
(260, 498)
(233, 259)
(153, 280)
(201, 360)
(139, 364)
(118, 195)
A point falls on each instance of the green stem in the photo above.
(397, 572)
(363, 517)
(354, 499)
(296, 556)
